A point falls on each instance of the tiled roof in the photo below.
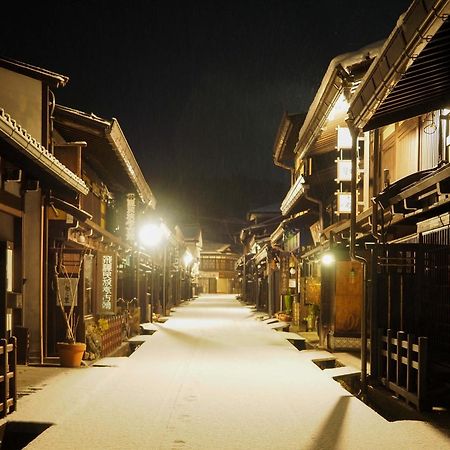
(30, 147)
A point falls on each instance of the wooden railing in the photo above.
(112, 337)
(8, 364)
(403, 366)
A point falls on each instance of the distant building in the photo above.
(218, 269)
(260, 282)
(193, 239)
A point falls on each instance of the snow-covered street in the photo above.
(213, 377)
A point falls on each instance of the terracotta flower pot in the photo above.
(70, 355)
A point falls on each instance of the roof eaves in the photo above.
(32, 149)
(52, 78)
(408, 38)
(89, 119)
(290, 125)
(333, 83)
(112, 132)
(117, 139)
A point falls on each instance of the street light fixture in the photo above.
(153, 235)
(328, 259)
(187, 258)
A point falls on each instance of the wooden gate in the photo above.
(403, 366)
(411, 287)
(8, 364)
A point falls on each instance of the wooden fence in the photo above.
(8, 365)
(112, 337)
(403, 366)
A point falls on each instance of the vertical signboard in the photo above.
(284, 273)
(344, 171)
(130, 218)
(107, 283)
(68, 291)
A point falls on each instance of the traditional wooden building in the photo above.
(318, 207)
(402, 110)
(30, 177)
(95, 236)
(259, 267)
(71, 198)
(291, 234)
(217, 273)
(193, 239)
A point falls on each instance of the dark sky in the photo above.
(198, 87)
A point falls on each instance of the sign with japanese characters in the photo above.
(130, 219)
(107, 282)
(68, 290)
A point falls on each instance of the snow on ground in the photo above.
(213, 377)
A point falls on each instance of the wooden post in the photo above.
(422, 374)
(409, 368)
(380, 353)
(13, 369)
(388, 357)
(399, 373)
(4, 375)
(375, 342)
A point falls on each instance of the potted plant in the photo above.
(70, 352)
(94, 335)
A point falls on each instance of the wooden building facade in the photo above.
(72, 197)
(30, 176)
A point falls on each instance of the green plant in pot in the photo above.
(70, 352)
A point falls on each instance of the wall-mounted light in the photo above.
(344, 170)
(327, 259)
(187, 258)
(344, 203)
(344, 138)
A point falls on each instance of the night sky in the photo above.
(199, 88)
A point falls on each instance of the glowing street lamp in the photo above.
(151, 235)
(187, 258)
(328, 259)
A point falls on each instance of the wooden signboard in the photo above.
(348, 297)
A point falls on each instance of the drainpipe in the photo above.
(244, 279)
(375, 185)
(354, 257)
(376, 209)
(164, 288)
(317, 202)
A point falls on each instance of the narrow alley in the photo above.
(212, 377)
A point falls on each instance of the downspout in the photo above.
(164, 289)
(375, 184)
(244, 280)
(354, 257)
(43, 283)
(372, 294)
(317, 202)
